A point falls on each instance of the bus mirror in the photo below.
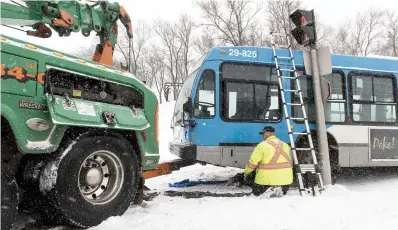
(187, 107)
(325, 90)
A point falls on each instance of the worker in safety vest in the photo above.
(269, 169)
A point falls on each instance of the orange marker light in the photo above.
(81, 61)
(58, 54)
(31, 47)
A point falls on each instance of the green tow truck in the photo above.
(77, 136)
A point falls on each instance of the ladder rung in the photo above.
(309, 190)
(287, 70)
(297, 118)
(281, 46)
(291, 90)
(286, 58)
(299, 133)
(289, 78)
(284, 46)
(306, 168)
(302, 149)
(293, 104)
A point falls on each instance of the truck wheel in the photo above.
(93, 179)
(9, 198)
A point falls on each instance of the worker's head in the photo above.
(267, 132)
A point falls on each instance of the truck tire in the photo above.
(9, 198)
(92, 179)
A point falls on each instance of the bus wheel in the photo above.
(305, 157)
(9, 198)
(93, 179)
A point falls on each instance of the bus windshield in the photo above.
(186, 91)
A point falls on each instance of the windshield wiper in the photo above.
(174, 114)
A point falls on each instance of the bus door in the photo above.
(206, 123)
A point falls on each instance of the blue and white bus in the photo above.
(234, 93)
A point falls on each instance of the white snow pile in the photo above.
(358, 203)
(39, 145)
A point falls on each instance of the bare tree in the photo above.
(154, 63)
(204, 42)
(324, 33)
(391, 26)
(136, 47)
(171, 49)
(144, 72)
(231, 22)
(279, 21)
(183, 31)
(338, 40)
(360, 37)
(176, 47)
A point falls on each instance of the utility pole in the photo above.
(305, 34)
(320, 120)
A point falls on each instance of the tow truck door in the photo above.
(18, 75)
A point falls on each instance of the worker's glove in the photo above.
(246, 177)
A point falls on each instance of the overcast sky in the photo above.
(329, 11)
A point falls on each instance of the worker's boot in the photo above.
(272, 192)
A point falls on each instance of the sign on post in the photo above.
(325, 68)
(324, 61)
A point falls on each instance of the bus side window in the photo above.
(373, 98)
(204, 106)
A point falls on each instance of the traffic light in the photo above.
(304, 33)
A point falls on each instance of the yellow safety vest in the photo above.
(272, 161)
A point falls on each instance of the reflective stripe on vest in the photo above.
(272, 164)
(252, 166)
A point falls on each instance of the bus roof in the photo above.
(265, 55)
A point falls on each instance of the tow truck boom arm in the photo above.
(71, 16)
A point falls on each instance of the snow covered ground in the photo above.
(359, 201)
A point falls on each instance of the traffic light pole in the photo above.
(320, 120)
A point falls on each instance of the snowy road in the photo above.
(358, 202)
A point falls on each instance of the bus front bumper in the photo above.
(184, 151)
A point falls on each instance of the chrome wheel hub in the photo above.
(101, 177)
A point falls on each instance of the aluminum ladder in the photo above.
(308, 175)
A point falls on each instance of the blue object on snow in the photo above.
(188, 183)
